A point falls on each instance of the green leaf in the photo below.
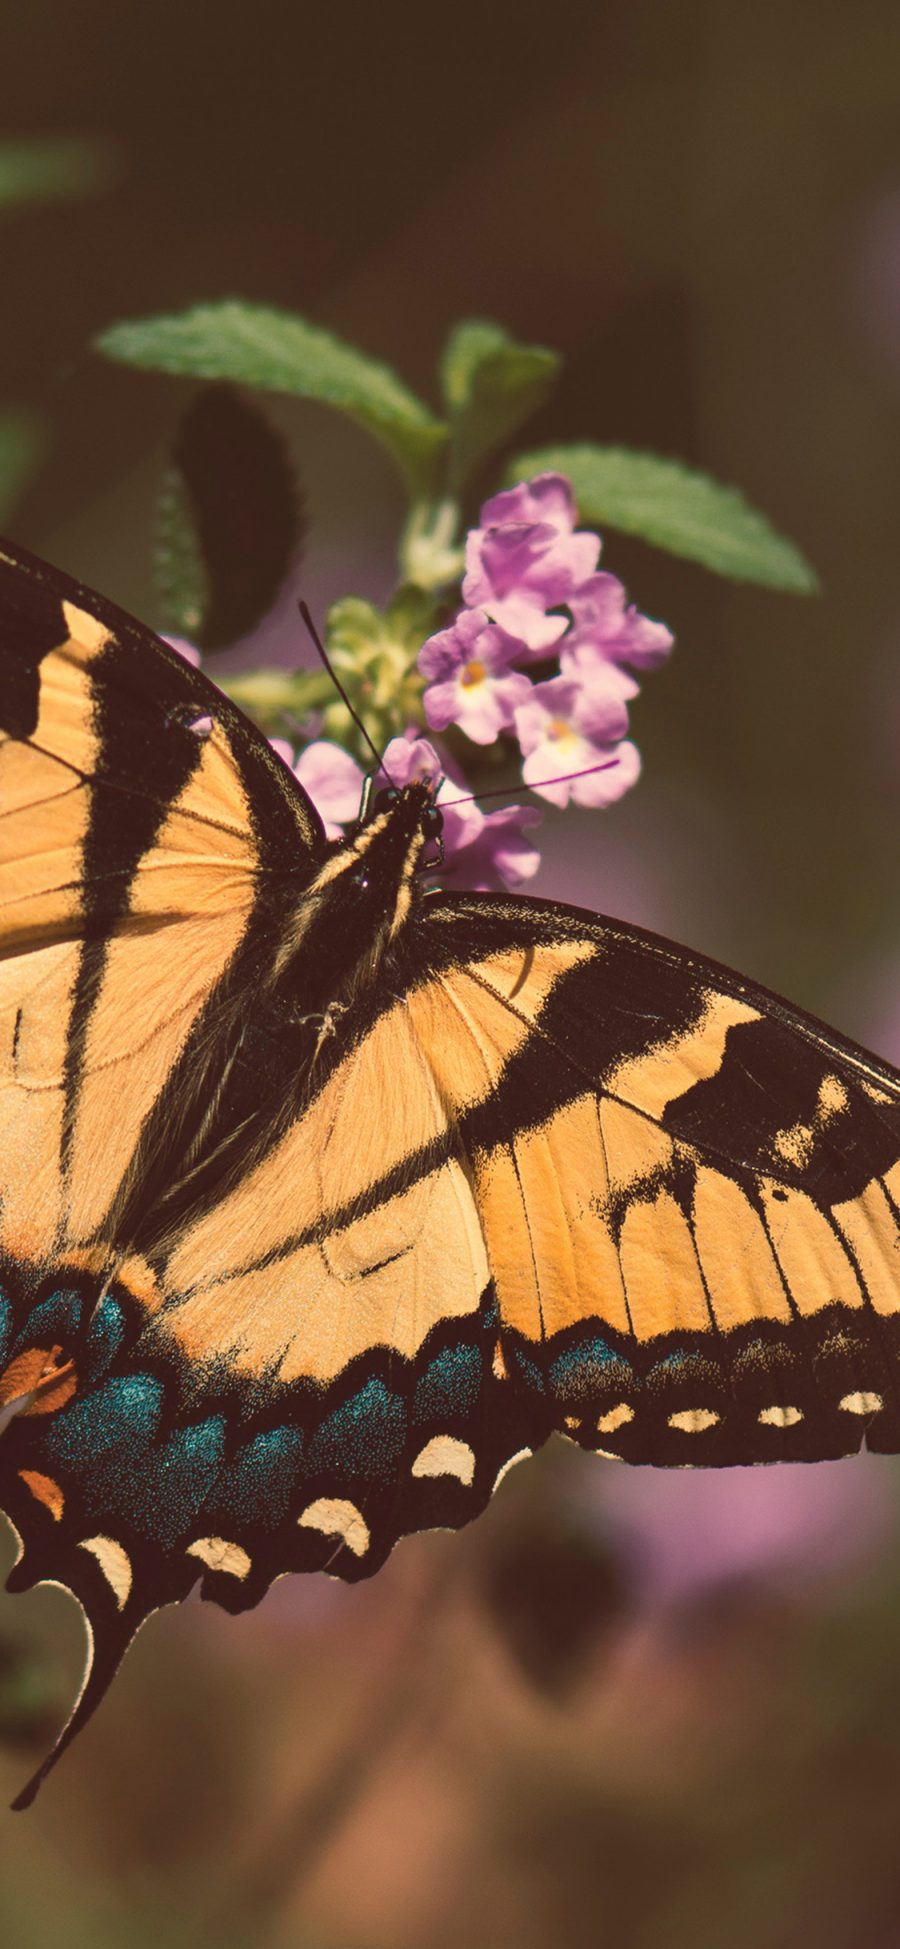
(490, 385)
(53, 171)
(666, 503)
(21, 448)
(230, 521)
(254, 345)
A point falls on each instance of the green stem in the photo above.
(430, 555)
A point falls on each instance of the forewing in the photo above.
(139, 815)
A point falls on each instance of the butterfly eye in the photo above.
(200, 723)
(384, 799)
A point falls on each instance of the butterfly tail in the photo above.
(106, 1647)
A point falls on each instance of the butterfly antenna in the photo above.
(503, 791)
(329, 666)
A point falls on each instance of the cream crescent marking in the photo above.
(616, 1418)
(218, 1554)
(115, 1564)
(335, 1517)
(446, 1455)
(861, 1403)
(692, 1421)
(780, 1417)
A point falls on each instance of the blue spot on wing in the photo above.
(125, 1481)
(449, 1384)
(105, 1441)
(104, 1338)
(364, 1437)
(50, 1320)
(587, 1372)
(165, 1494)
(6, 1321)
(126, 1410)
(258, 1486)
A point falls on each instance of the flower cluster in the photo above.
(543, 650)
(532, 591)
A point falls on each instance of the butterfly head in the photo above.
(415, 812)
(398, 835)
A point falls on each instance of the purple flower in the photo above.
(470, 677)
(608, 685)
(333, 780)
(566, 729)
(410, 759)
(499, 855)
(526, 559)
(605, 628)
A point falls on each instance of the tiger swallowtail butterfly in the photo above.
(325, 1194)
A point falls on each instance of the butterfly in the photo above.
(326, 1195)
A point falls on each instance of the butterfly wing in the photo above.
(689, 1191)
(550, 1173)
(553, 1173)
(138, 813)
(141, 819)
(544, 1172)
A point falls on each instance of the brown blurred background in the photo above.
(651, 1711)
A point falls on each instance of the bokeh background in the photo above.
(635, 1709)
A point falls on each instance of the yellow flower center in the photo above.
(472, 673)
(558, 729)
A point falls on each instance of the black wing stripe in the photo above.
(468, 927)
(114, 847)
(153, 681)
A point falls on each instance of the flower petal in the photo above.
(334, 782)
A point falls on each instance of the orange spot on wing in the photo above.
(42, 1372)
(45, 1490)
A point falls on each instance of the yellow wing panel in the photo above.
(129, 866)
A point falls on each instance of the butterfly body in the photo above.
(324, 1194)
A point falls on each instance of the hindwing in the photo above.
(689, 1191)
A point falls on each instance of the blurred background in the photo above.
(630, 1708)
